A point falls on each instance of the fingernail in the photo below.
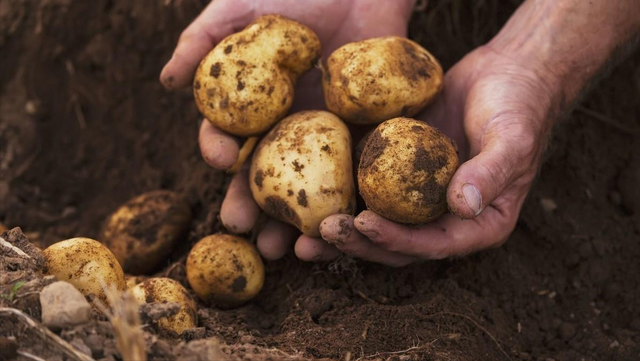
(473, 198)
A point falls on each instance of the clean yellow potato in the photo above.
(162, 290)
(405, 169)
(143, 231)
(302, 172)
(373, 80)
(86, 264)
(246, 83)
(225, 270)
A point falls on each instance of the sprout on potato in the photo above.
(225, 270)
(143, 231)
(405, 169)
(246, 83)
(162, 290)
(301, 171)
(86, 264)
(370, 81)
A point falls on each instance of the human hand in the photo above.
(336, 22)
(498, 109)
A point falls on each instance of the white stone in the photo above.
(63, 306)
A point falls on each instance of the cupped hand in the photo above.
(336, 22)
(498, 109)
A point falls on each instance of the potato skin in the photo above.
(246, 83)
(84, 262)
(225, 270)
(405, 169)
(373, 80)
(301, 171)
(143, 231)
(162, 290)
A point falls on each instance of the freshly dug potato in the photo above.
(246, 83)
(373, 80)
(225, 270)
(405, 169)
(84, 263)
(162, 290)
(302, 172)
(143, 231)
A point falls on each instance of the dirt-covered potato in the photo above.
(143, 231)
(302, 172)
(225, 270)
(246, 83)
(162, 290)
(86, 264)
(405, 169)
(373, 80)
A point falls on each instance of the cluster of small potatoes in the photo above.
(224, 270)
(302, 169)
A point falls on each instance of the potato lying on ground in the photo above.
(370, 81)
(246, 83)
(301, 171)
(85, 263)
(405, 169)
(225, 270)
(143, 231)
(162, 290)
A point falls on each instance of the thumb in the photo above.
(508, 148)
(218, 20)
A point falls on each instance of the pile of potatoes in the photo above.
(301, 172)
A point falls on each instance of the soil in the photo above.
(86, 126)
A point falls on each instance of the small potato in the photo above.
(246, 83)
(162, 290)
(370, 81)
(225, 270)
(405, 169)
(85, 263)
(302, 172)
(142, 232)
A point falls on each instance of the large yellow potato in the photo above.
(225, 270)
(246, 83)
(404, 171)
(162, 290)
(301, 171)
(86, 264)
(370, 81)
(143, 231)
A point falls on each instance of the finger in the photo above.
(218, 20)
(219, 149)
(508, 151)
(315, 249)
(275, 239)
(448, 237)
(339, 230)
(239, 212)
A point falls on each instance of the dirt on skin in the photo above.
(85, 126)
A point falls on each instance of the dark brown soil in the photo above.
(85, 126)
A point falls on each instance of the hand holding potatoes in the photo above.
(246, 83)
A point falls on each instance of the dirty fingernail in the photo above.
(473, 198)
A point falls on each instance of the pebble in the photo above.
(548, 205)
(567, 331)
(63, 306)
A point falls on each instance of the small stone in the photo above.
(614, 344)
(567, 331)
(548, 205)
(63, 306)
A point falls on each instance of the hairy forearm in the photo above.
(570, 41)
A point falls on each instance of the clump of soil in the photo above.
(96, 128)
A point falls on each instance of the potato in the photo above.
(246, 83)
(225, 270)
(143, 231)
(301, 171)
(132, 281)
(85, 263)
(162, 290)
(405, 169)
(370, 81)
